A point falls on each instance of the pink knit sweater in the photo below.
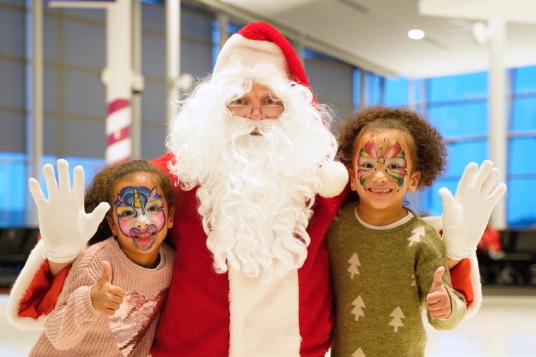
(74, 328)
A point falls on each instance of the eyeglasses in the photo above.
(267, 111)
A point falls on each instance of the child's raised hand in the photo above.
(106, 298)
(63, 222)
(466, 214)
(438, 300)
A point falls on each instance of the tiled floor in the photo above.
(504, 327)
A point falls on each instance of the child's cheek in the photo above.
(124, 226)
(363, 176)
(159, 220)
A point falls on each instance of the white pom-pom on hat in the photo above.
(334, 178)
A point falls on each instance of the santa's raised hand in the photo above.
(105, 297)
(438, 299)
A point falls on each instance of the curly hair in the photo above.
(100, 190)
(428, 151)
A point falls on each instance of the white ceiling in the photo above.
(372, 34)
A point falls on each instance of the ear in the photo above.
(351, 174)
(414, 181)
(171, 217)
(112, 225)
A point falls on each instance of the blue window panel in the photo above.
(14, 2)
(153, 18)
(91, 167)
(215, 41)
(524, 114)
(13, 189)
(12, 132)
(76, 134)
(12, 84)
(525, 80)
(86, 99)
(396, 92)
(520, 150)
(12, 35)
(461, 154)
(357, 88)
(461, 119)
(234, 27)
(373, 88)
(84, 44)
(51, 38)
(94, 14)
(195, 24)
(154, 60)
(430, 201)
(152, 141)
(462, 87)
(520, 213)
(419, 89)
(154, 92)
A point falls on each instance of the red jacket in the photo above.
(196, 318)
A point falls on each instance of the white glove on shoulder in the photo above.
(466, 215)
(64, 225)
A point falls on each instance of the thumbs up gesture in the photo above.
(438, 299)
(106, 298)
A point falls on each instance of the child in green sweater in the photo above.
(387, 264)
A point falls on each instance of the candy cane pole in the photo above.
(119, 79)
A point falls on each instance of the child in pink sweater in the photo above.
(110, 302)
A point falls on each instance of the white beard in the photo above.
(256, 192)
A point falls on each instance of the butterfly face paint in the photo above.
(140, 215)
(390, 159)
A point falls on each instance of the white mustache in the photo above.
(243, 126)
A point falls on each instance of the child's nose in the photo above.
(379, 176)
(143, 221)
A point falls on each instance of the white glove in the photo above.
(466, 215)
(64, 225)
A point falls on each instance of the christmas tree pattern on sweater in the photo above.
(381, 278)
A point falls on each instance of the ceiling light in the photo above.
(480, 33)
(416, 34)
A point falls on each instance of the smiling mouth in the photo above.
(379, 191)
(255, 133)
(144, 235)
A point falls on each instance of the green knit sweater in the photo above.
(381, 278)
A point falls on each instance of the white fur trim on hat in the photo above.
(334, 178)
(240, 52)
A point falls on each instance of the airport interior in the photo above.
(468, 66)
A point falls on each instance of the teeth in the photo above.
(379, 191)
(146, 235)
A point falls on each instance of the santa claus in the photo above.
(252, 158)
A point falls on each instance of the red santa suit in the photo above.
(229, 314)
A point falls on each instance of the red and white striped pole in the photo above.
(119, 79)
(118, 130)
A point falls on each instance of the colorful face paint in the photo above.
(140, 215)
(390, 159)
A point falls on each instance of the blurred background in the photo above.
(92, 81)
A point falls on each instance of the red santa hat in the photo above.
(260, 45)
